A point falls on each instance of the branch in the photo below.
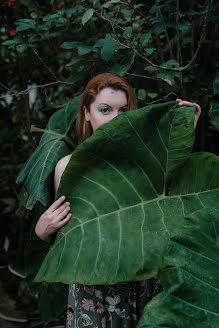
(162, 99)
(164, 27)
(145, 77)
(177, 31)
(26, 91)
(176, 69)
(132, 7)
(203, 35)
(51, 72)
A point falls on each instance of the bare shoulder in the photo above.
(59, 169)
(62, 163)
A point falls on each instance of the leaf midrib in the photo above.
(161, 197)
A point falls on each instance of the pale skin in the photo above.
(108, 104)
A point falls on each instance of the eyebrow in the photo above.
(110, 106)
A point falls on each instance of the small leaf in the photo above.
(152, 95)
(149, 50)
(184, 26)
(75, 76)
(75, 61)
(141, 94)
(21, 47)
(82, 48)
(109, 3)
(70, 45)
(170, 63)
(145, 38)
(151, 69)
(168, 77)
(108, 47)
(25, 24)
(10, 43)
(128, 32)
(123, 67)
(87, 15)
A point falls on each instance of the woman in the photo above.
(106, 96)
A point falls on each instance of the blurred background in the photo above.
(49, 51)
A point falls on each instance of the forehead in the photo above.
(111, 97)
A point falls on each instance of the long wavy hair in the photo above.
(94, 86)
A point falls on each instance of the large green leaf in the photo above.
(52, 147)
(117, 182)
(189, 276)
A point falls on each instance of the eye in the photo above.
(123, 109)
(104, 110)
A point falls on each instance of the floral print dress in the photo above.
(110, 306)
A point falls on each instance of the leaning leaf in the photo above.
(52, 147)
(87, 15)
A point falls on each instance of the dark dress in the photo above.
(111, 306)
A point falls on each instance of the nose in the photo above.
(114, 114)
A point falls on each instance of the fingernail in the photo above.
(62, 197)
(67, 203)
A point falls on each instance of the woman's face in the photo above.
(108, 104)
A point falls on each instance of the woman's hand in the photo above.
(187, 103)
(56, 216)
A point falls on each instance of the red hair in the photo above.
(94, 86)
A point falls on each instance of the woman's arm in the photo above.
(57, 215)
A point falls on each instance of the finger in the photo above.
(178, 100)
(63, 222)
(198, 108)
(63, 214)
(56, 204)
(186, 103)
(61, 209)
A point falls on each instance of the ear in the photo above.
(86, 113)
